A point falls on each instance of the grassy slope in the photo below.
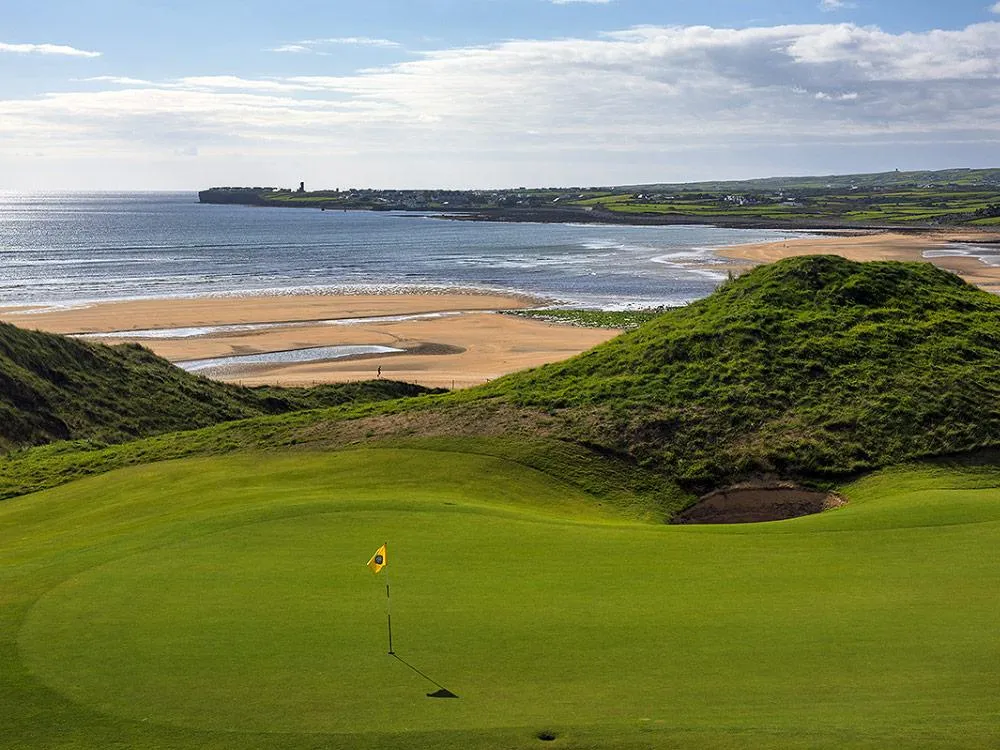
(58, 388)
(610, 480)
(224, 602)
(809, 368)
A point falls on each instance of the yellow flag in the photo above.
(378, 560)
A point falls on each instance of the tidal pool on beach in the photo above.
(220, 365)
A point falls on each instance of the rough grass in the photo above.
(58, 388)
(224, 602)
(623, 319)
(810, 368)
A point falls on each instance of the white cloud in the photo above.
(620, 98)
(46, 49)
(293, 48)
(831, 5)
(872, 54)
(118, 80)
(995, 8)
(315, 46)
(365, 41)
(850, 96)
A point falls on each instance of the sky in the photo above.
(182, 95)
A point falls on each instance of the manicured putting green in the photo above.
(231, 595)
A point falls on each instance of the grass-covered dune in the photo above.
(811, 368)
(59, 388)
(224, 602)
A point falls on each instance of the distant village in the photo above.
(472, 200)
(402, 200)
(927, 199)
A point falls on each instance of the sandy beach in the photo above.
(451, 340)
(901, 246)
(458, 340)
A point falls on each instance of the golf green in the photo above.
(193, 602)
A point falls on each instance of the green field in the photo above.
(224, 602)
(914, 206)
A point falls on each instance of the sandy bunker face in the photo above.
(757, 504)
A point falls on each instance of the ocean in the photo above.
(72, 248)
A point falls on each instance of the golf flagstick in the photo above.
(378, 561)
(388, 613)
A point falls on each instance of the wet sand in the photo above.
(213, 311)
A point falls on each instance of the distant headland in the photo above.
(897, 200)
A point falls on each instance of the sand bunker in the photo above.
(753, 504)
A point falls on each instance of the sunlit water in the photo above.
(65, 249)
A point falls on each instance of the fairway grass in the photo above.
(225, 603)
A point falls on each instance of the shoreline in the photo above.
(448, 338)
(549, 214)
(612, 218)
(250, 309)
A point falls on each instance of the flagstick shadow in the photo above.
(442, 691)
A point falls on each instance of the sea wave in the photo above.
(989, 256)
(124, 247)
